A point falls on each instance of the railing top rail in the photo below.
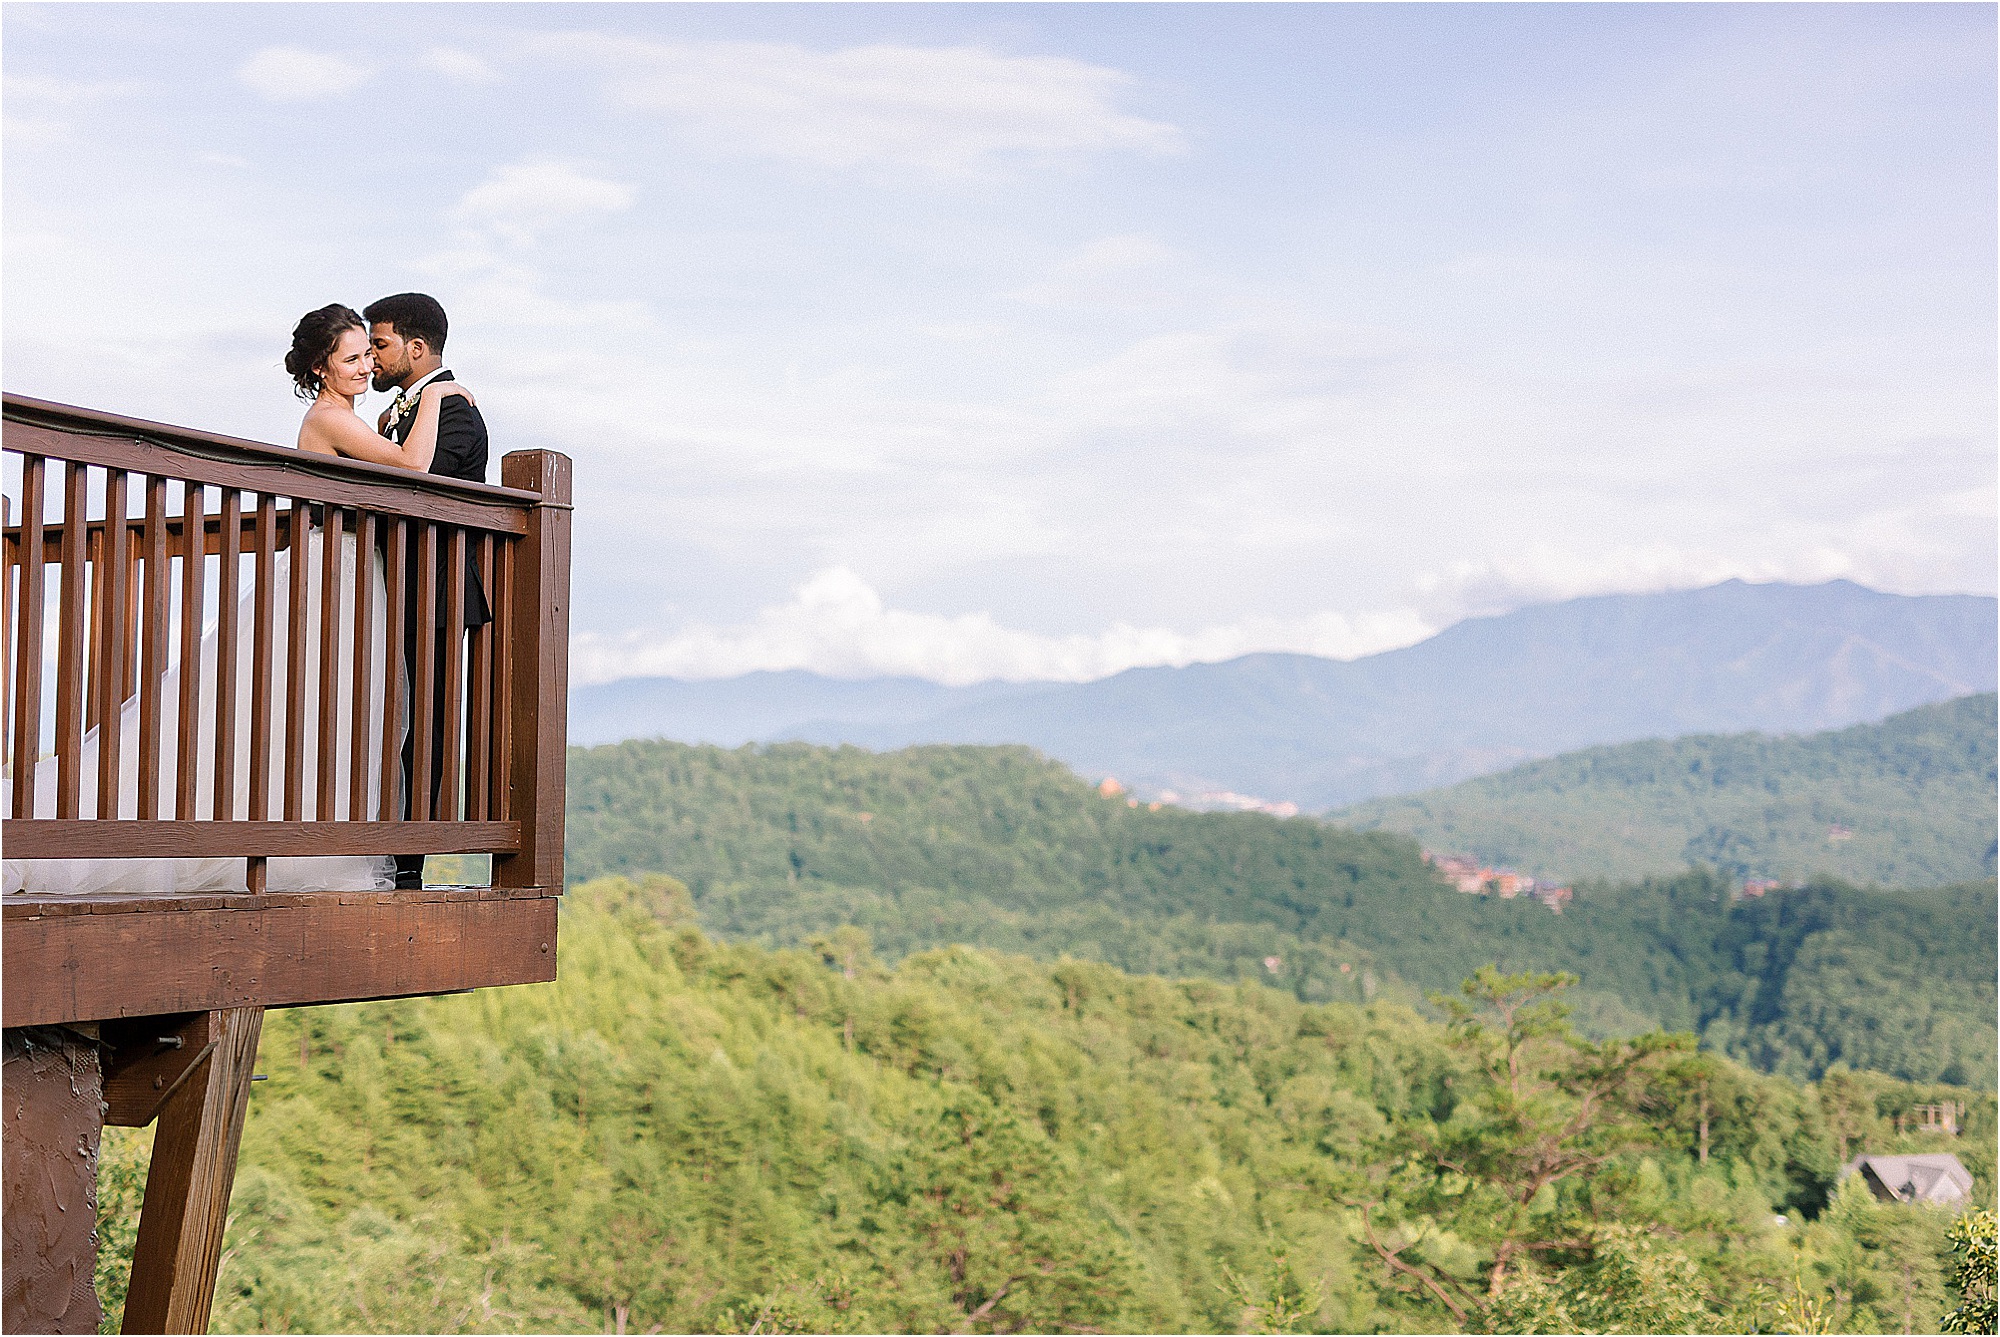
(317, 477)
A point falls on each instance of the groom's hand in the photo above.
(382, 423)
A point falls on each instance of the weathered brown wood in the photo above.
(210, 527)
(153, 635)
(24, 907)
(540, 646)
(503, 679)
(256, 874)
(479, 717)
(194, 593)
(361, 760)
(70, 647)
(423, 705)
(395, 686)
(115, 562)
(27, 666)
(295, 665)
(228, 594)
(187, 1188)
(263, 631)
(55, 839)
(259, 468)
(10, 549)
(145, 1060)
(453, 724)
(80, 967)
(135, 548)
(326, 772)
(94, 625)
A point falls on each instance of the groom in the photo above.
(407, 332)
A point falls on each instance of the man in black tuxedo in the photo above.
(407, 332)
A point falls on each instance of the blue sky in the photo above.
(1041, 341)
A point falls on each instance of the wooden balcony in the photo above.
(233, 653)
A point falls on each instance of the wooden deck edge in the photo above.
(38, 905)
(290, 951)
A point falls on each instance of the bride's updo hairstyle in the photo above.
(313, 341)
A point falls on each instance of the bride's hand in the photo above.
(438, 390)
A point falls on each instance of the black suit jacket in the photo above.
(461, 453)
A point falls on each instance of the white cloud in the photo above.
(458, 66)
(1544, 573)
(946, 109)
(1126, 271)
(293, 74)
(836, 624)
(522, 199)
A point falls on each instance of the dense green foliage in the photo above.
(998, 848)
(1915, 793)
(1974, 1247)
(685, 1135)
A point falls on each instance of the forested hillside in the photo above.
(999, 848)
(684, 1135)
(1908, 802)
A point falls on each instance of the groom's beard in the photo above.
(385, 381)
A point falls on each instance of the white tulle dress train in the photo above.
(328, 873)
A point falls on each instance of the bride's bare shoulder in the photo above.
(325, 427)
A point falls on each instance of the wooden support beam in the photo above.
(85, 959)
(187, 1188)
(147, 1058)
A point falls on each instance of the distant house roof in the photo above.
(1933, 1177)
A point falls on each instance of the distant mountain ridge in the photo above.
(1907, 802)
(1481, 696)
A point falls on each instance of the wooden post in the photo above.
(538, 709)
(187, 1188)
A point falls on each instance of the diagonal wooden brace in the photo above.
(187, 1188)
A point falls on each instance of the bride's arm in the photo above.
(421, 444)
(345, 434)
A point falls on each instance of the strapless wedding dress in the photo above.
(330, 873)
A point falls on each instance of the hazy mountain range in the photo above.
(1479, 697)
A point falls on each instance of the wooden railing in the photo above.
(195, 651)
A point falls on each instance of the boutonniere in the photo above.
(404, 406)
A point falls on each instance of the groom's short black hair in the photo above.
(413, 315)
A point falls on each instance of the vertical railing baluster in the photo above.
(227, 633)
(128, 685)
(360, 759)
(501, 598)
(263, 651)
(479, 716)
(327, 750)
(422, 697)
(93, 659)
(296, 615)
(10, 558)
(194, 594)
(70, 706)
(114, 567)
(452, 726)
(153, 653)
(395, 671)
(27, 736)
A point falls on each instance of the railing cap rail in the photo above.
(213, 446)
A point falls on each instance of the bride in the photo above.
(330, 364)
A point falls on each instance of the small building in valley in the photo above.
(1935, 1178)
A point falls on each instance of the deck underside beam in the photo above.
(70, 959)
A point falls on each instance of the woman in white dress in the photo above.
(330, 364)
